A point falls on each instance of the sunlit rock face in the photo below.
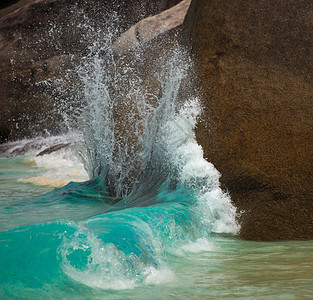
(39, 40)
(150, 28)
(255, 68)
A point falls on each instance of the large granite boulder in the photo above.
(255, 62)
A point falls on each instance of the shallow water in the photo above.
(60, 246)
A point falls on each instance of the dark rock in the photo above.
(53, 149)
(255, 63)
(43, 39)
(6, 3)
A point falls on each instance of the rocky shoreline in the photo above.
(253, 67)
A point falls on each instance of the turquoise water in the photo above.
(71, 243)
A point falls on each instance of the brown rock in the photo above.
(41, 39)
(149, 28)
(255, 63)
(53, 149)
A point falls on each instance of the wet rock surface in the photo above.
(42, 40)
(255, 62)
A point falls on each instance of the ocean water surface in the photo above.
(52, 250)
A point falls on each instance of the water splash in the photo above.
(151, 193)
(170, 195)
(121, 120)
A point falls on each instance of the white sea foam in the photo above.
(215, 209)
(160, 275)
(105, 266)
(200, 245)
(57, 169)
(53, 169)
